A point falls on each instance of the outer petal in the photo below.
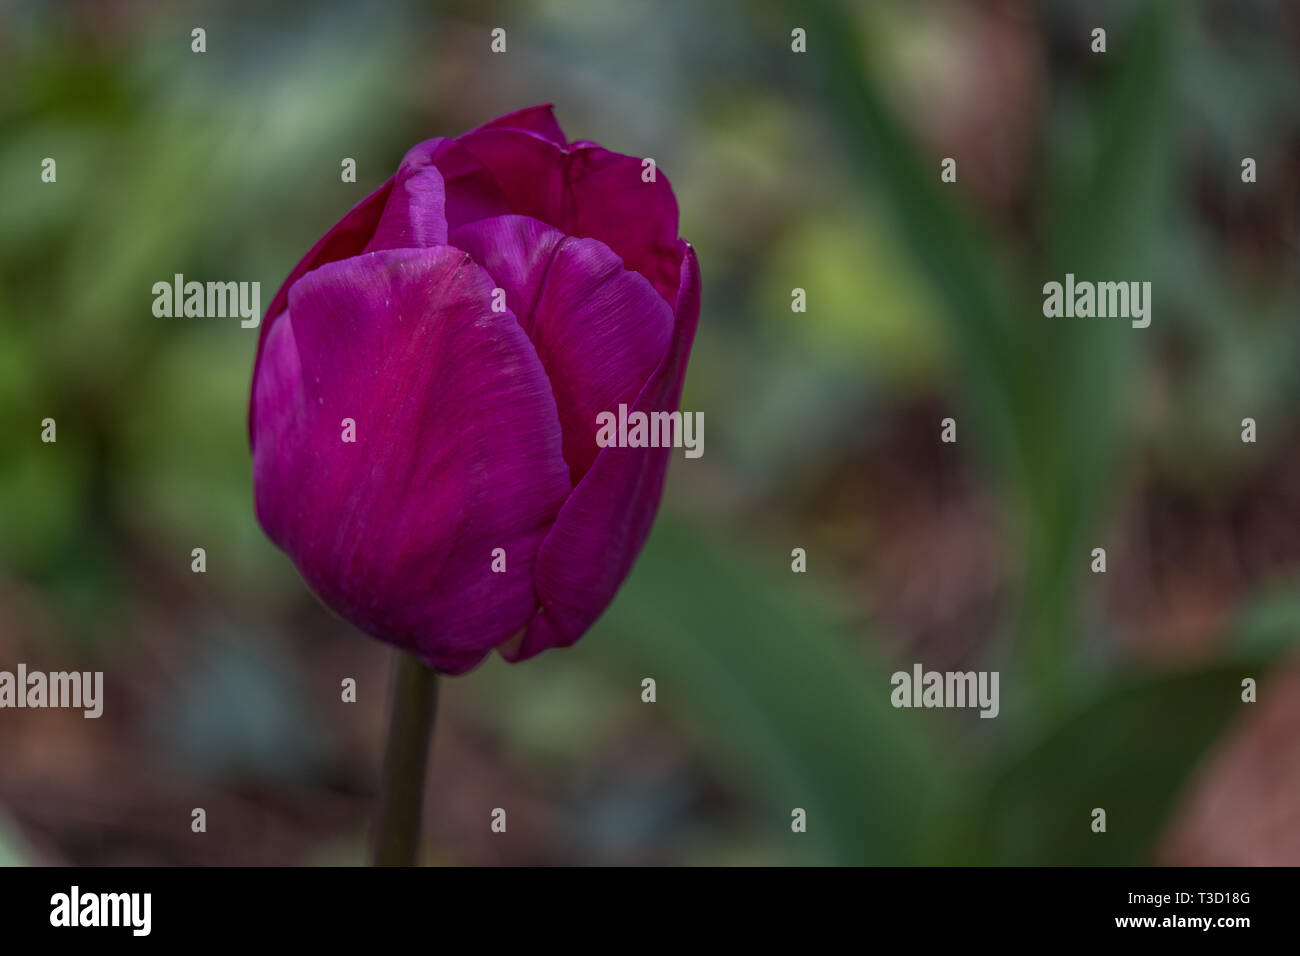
(457, 451)
(415, 215)
(346, 238)
(638, 220)
(599, 329)
(472, 191)
(585, 191)
(529, 170)
(604, 523)
(534, 119)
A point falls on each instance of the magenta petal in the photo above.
(457, 451)
(528, 170)
(516, 252)
(472, 191)
(604, 523)
(600, 330)
(584, 190)
(415, 215)
(347, 238)
(608, 200)
(534, 119)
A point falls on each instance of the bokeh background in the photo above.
(818, 171)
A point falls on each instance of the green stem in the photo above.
(406, 757)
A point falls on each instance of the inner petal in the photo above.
(583, 190)
(599, 328)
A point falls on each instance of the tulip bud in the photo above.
(469, 320)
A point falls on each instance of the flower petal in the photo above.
(585, 191)
(600, 330)
(605, 521)
(528, 170)
(608, 200)
(415, 214)
(456, 452)
(533, 119)
(348, 237)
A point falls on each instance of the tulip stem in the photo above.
(406, 758)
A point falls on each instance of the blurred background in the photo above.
(818, 171)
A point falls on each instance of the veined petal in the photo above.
(599, 329)
(608, 200)
(605, 521)
(415, 215)
(585, 191)
(457, 451)
(348, 237)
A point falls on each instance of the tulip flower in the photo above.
(427, 384)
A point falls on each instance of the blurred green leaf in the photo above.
(780, 696)
(938, 233)
(1104, 220)
(1130, 753)
(1048, 396)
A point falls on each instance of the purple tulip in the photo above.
(475, 429)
